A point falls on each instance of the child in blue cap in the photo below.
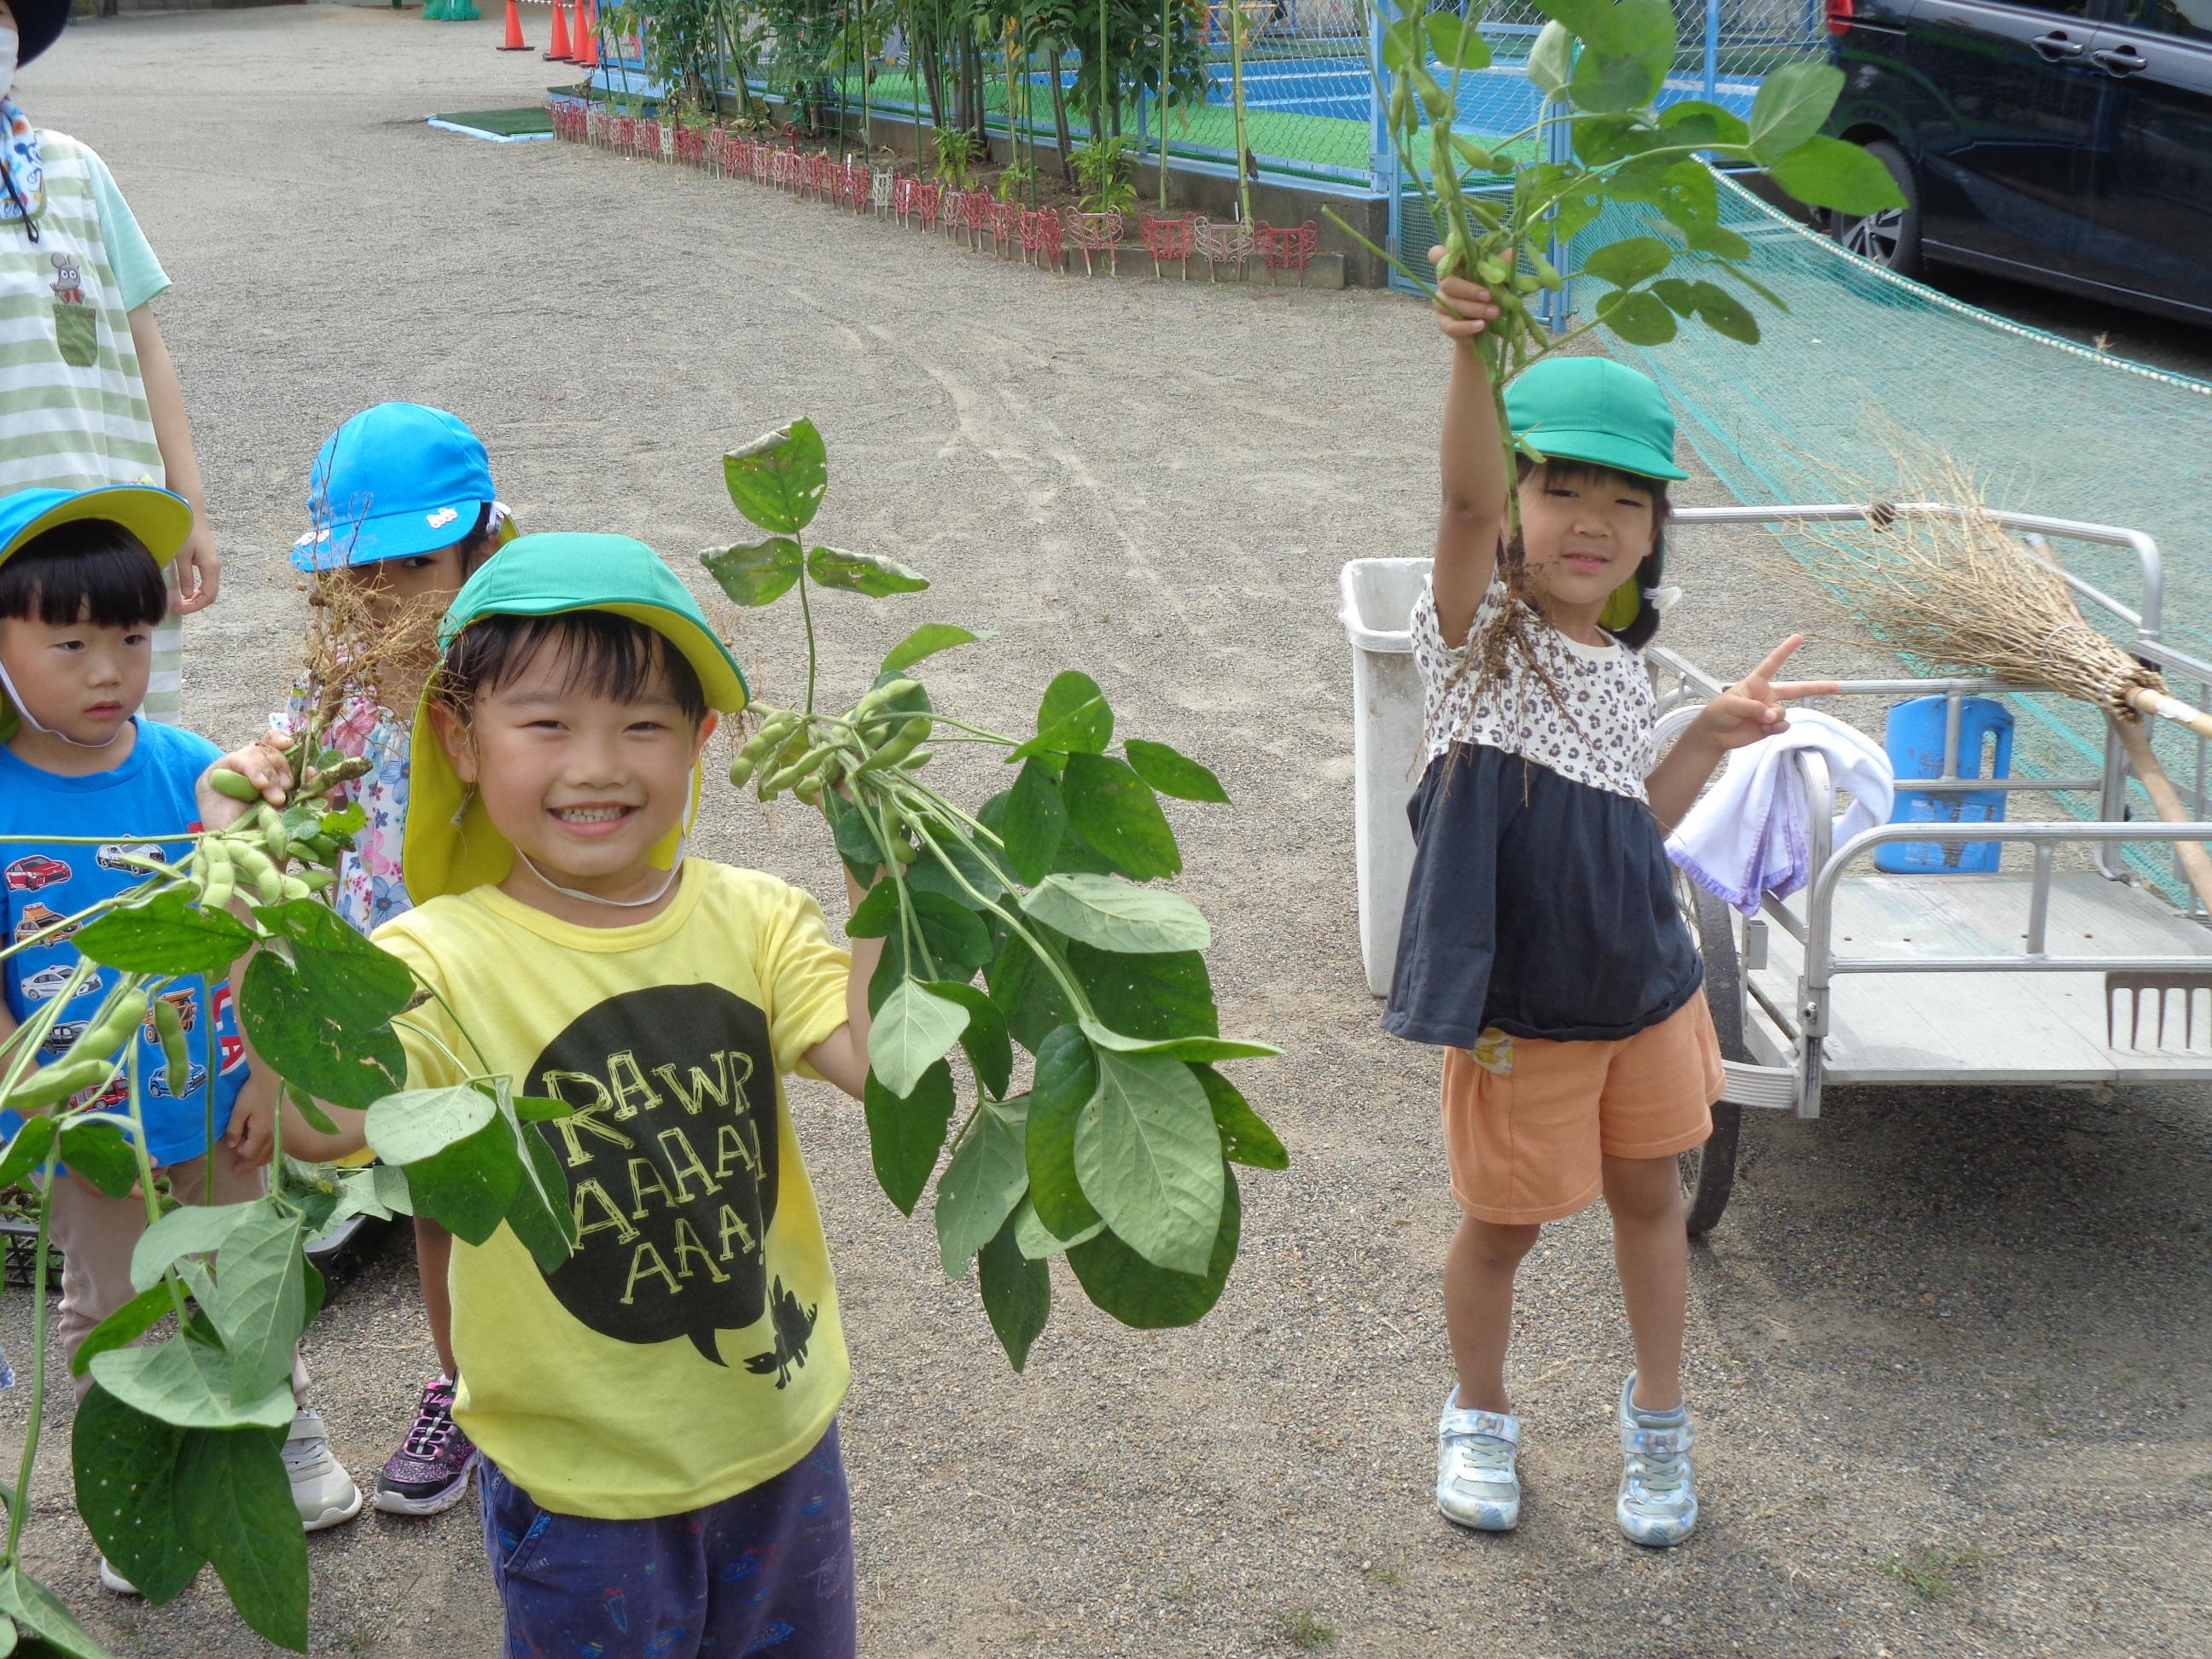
(402, 509)
(1542, 949)
(81, 588)
(87, 393)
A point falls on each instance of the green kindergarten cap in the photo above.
(451, 845)
(1592, 409)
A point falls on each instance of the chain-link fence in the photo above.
(1311, 101)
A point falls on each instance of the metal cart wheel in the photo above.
(1708, 1172)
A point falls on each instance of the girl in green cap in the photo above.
(1541, 947)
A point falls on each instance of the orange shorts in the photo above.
(1527, 1119)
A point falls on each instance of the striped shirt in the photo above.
(73, 410)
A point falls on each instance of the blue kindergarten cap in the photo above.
(395, 482)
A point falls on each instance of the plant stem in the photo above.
(806, 616)
(19, 1508)
(1053, 965)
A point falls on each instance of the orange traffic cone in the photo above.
(587, 33)
(558, 50)
(514, 42)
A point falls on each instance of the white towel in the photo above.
(1748, 834)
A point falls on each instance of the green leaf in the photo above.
(913, 1031)
(1163, 994)
(1631, 260)
(1599, 139)
(27, 1151)
(468, 1188)
(1174, 774)
(188, 1229)
(541, 1214)
(1025, 990)
(1552, 59)
(1192, 1048)
(323, 1020)
(1115, 915)
(1038, 1241)
(1072, 718)
(1793, 105)
(1723, 313)
(102, 1153)
(989, 1049)
(877, 912)
(755, 572)
(1457, 42)
(378, 1191)
(122, 1327)
(418, 1123)
(982, 1184)
(980, 867)
(1116, 810)
(1245, 1137)
(187, 1383)
(1149, 1158)
(234, 1501)
(125, 1465)
(1640, 318)
(36, 1610)
(1150, 1298)
(1678, 296)
(1716, 239)
(261, 1304)
(1035, 818)
(1625, 27)
(535, 1109)
(1017, 1293)
(1828, 173)
(906, 1133)
(928, 641)
(1402, 45)
(856, 845)
(777, 481)
(1605, 82)
(168, 933)
(868, 574)
(1694, 121)
(955, 934)
(1065, 1085)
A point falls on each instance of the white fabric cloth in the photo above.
(1748, 835)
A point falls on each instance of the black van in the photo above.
(2064, 143)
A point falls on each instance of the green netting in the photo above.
(1865, 361)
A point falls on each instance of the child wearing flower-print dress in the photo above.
(389, 490)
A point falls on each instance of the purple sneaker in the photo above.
(430, 1472)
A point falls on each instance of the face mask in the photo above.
(7, 49)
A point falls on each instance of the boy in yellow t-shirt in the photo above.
(657, 1415)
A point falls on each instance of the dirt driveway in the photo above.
(1949, 1350)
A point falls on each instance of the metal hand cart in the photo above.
(2060, 968)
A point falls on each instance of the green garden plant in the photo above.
(177, 1450)
(1017, 177)
(953, 153)
(1118, 1152)
(1108, 168)
(1600, 65)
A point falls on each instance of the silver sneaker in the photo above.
(1477, 1485)
(1658, 1502)
(322, 1490)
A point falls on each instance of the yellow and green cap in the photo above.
(451, 845)
(157, 517)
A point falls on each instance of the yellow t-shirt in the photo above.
(690, 1348)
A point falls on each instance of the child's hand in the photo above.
(1463, 308)
(266, 770)
(1752, 707)
(251, 1136)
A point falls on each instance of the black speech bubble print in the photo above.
(672, 1158)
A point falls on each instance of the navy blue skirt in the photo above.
(1539, 906)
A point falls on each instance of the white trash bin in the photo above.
(1386, 739)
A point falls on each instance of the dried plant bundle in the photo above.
(1958, 589)
(358, 643)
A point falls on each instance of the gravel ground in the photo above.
(1948, 1349)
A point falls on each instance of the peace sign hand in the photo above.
(1751, 708)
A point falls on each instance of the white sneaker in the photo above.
(1477, 1485)
(322, 1490)
(1657, 1504)
(114, 1582)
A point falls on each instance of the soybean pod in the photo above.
(51, 1084)
(236, 785)
(176, 1058)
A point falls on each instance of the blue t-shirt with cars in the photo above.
(42, 883)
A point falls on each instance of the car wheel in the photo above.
(1891, 238)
